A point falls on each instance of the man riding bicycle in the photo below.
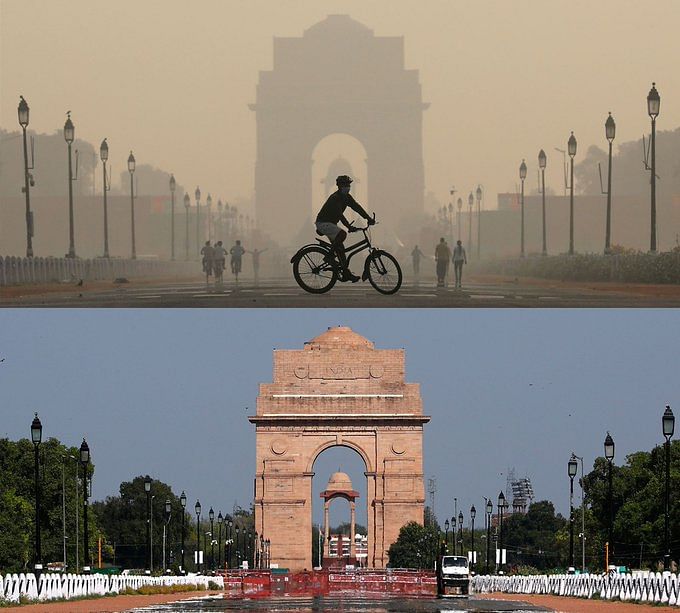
(331, 213)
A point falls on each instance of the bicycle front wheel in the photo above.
(312, 272)
(384, 272)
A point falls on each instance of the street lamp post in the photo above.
(668, 426)
(220, 520)
(36, 437)
(453, 533)
(501, 507)
(446, 532)
(208, 202)
(197, 509)
(460, 531)
(131, 168)
(653, 105)
(489, 510)
(572, 466)
(460, 207)
(104, 156)
(172, 216)
(478, 193)
(571, 149)
(238, 547)
(183, 503)
(84, 461)
(522, 176)
(187, 203)
(473, 513)
(23, 112)
(229, 541)
(583, 516)
(69, 136)
(450, 209)
(147, 489)
(542, 159)
(168, 514)
(197, 195)
(609, 455)
(610, 133)
(471, 201)
(211, 517)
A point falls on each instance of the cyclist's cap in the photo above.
(343, 180)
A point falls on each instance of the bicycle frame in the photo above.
(352, 250)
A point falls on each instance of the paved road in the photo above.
(346, 602)
(480, 292)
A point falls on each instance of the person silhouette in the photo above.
(442, 253)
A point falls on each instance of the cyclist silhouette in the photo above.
(331, 213)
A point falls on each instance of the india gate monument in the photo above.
(338, 78)
(339, 390)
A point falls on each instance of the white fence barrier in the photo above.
(52, 586)
(663, 588)
(19, 271)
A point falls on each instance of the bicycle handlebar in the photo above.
(353, 228)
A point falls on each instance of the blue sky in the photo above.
(167, 392)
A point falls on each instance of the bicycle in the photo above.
(316, 267)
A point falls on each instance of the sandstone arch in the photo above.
(337, 391)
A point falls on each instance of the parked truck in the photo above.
(453, 576)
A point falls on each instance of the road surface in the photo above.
(480, 291)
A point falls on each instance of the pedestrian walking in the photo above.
(459, 258)
(256, 262)
(442, 254)
(416, 254)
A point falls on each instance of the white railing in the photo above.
(53, 586)
(641, 586)
(19, 271)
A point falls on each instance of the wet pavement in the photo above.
(341, 602)
(286, 294)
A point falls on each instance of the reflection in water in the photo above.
(339, 602)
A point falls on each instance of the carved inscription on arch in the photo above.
(338, 372)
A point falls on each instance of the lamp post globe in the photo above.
(173, 183)
(471, 199)
(653, 102)
(460, 203)
(131, 162)
(36, 430)
(668, 423)
(104, 151)
(211, 514)
(69, 129)
(571, 145)
(23, 112)
(168, 507)
(609, 447)
(610, 128)
(523, 170)
(542, 159)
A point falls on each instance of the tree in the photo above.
(58, 474)
(416, 547)
(538, 538)
(638, 506)
(123, 519)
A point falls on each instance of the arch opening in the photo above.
(339, 507)
(338, 154)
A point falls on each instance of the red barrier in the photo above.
(319, 583)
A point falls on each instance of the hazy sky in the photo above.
(172, 79)
(167, 392)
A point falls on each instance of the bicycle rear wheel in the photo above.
(312, 272)
(384, 272)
